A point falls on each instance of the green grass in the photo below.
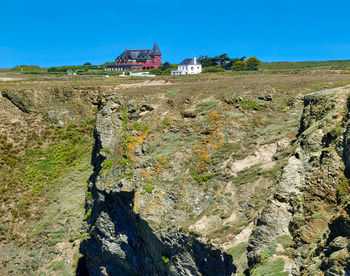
(273, 268)
(248, 175)
(305, 65)
(205, 107)
(172, 93)
(149, 188)
(275, 171)
(107, 165)
(237, 251)
(88, 215)
(311, 129)
(165, 259)
(30, 168)
(237, 115)
(202, 178)
(248, 104)
(284, 240)
(318, 216)
(38, 228)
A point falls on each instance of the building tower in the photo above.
(156, 55)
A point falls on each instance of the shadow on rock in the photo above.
(122, 243)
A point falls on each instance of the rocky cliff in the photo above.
(164, 170)
(132, 212)
(202, 175)
(305, 222)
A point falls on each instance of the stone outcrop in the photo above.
(138, 226)
(122, 239)
(59, 105)
(298, 225)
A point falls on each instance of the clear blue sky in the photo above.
(68, 32)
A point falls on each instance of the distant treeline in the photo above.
(224, 62)
(26, 68)
(77, 68)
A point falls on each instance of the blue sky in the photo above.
(72, 32)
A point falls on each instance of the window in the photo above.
(192, 68)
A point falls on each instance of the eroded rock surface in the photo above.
(298, 225)
(133, 217)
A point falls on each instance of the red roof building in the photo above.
(137, 60)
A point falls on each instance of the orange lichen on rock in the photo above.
(144, 173)
(205, 148)
(136, 201)
(135, 140)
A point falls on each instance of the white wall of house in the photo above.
(188, 69)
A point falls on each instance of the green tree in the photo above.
(252, 63)
(222, 61)
(239, 66)
(165, 65)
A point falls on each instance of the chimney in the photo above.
(195, 61)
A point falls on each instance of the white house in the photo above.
(188, 66)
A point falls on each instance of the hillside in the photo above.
(306, 65)
(212, 174)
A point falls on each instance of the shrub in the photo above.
(123, 161)
(107, 164)
(248, 104)
(88, 215)
(202, 178)
(166, 122)
(252, 63)
(335, 131)
(213, 69)
(149, 188)
(239, 66)
(165, 259)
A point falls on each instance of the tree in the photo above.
(165, 65)
(252, 63)
(239, 66)
(222, 61)
(87, 63)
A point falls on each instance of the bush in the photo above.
(212, 69)
(248, 104)
(149, 188)
(252, 63)
(202, 178)
(239, 66)
(164, 69)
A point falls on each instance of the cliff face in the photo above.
(305, 223)
(45, 151)
(202, 175)
(163, 166)
(124, 192)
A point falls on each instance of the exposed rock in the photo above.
(189, 113)
(126, 238)
(311, 178)
(267, 97)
